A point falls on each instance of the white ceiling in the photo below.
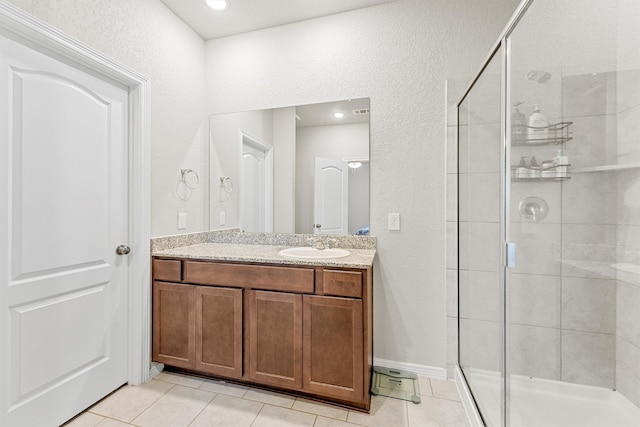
(249, 15)
(322, 114)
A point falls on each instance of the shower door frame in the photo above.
(503, 43)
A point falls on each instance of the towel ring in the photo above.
(226, 183)
(224, 189)
(190, 178)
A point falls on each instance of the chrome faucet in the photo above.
(321, 244)
(316, 242)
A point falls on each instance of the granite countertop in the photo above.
(268, 254)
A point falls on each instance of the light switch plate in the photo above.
(223, 218)
(394, 222)
(182, 220)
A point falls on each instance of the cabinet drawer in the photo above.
(342, 283)
(287, 279)
(167, 270)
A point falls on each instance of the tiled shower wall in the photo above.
(628, 237)
(479, 222)
(453, 93)
(563, 310)
(479, 226)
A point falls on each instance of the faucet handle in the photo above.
(317, 242)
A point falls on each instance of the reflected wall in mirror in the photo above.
(302, 169)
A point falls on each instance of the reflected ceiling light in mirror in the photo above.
(354, 165)
(338, 115)
(219, 5)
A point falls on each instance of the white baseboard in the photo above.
(423, 370)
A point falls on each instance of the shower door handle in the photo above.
(511, 255)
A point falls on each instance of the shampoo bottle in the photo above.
(522, 171)
(518, 124)
(538, 126)
(534, 168)
(562, 163)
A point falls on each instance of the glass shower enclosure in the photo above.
(549, 219)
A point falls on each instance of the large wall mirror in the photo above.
(302, 169)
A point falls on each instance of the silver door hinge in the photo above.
(511, 255)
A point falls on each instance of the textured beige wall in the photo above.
(398, 54)
(148, 37)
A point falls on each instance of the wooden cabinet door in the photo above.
(275, 338)
(174, 324)
(218, 316)
(333, 347)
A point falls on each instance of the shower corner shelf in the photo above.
(541, 178)
(552, 174)
(557, 134)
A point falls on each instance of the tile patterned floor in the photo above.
(176, 400)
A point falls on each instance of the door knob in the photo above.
(317, 225)
(123, 250)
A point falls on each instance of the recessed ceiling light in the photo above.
(338, 115)
(217, 4)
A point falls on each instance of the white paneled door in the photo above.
(63, 211)
(331, 197)
(256, 184)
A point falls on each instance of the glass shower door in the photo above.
(480, 268)
(549, 160)
(572, 353)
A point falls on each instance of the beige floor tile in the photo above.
(330, 422)
(274, 416)
(224, 388)
(108, 422)
(86, 419)
(444, 389)
(174, 400)
(425, 386)
(433, 412)
(228, 411)
(177, 408)
(130, 401)
(317, 408)
(385, 412)
(270, 397)
(180, 379)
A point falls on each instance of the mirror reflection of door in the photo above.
(331, 197)
(297, 134)
(256, 195)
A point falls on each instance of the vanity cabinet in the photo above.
(198, 328)
(304, 329)
(174, 327)
(218, 331)
(332, 346)
(275, 338)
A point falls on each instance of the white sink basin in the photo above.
(306, 252)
